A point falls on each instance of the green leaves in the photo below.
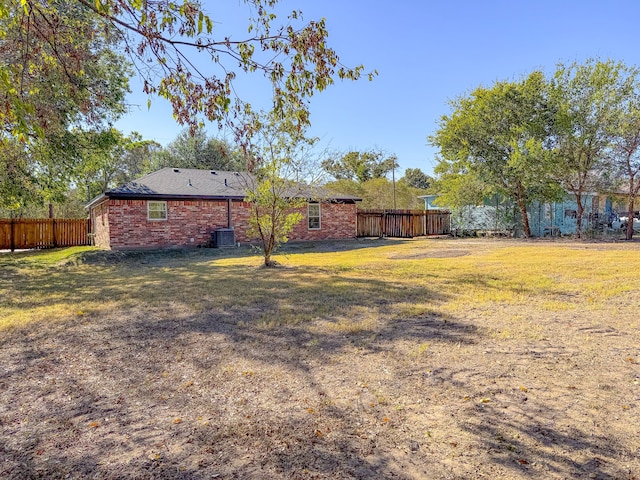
(416, 178)
(498, 136)
(204, 19)
(161, 38)
(200, 151)
(538, 139)
(360, 166)
(283, 180)
(59, 69)
(62, 71)
(590, 99)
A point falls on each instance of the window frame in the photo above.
(310, 217)
(162, 210)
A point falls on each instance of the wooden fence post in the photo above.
(402, 223)
(12, 235)
(20, 233)
(383, 225)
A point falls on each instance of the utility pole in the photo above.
(393, 179)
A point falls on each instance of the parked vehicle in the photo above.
(622, 222)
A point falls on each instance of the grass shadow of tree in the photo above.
(118, 365)
(219, 370)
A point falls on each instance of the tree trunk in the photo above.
(269, 247)
(630, 211)
(522, 206)
(579, 215)
(266, 247)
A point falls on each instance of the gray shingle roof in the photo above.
(187, 182)
(192, 183)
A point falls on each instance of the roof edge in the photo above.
(92, 203)
(159, 196)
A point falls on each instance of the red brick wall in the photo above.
(240, 213)
(191, 222)
(337, 221)
(188, 223)
(100, 224)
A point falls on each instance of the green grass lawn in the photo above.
(424, 358)
(402, 277)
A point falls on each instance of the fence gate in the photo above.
(43, 233)
(403, 223)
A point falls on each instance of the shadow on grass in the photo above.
(519, 435)
(102, 394)
(560, 451)
(202, 372)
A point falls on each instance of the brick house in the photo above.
(186, 207)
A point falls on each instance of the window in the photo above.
(156, 210)
(313, 213)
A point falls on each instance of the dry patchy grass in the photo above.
(369, 359)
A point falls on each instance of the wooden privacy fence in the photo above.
(403, 223)
(43, 233)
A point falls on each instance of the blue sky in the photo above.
(427, 53)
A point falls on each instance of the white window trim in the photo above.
(319, 216)
(149, 202)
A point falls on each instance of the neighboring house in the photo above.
(555, 218)
(188, 207)
(561, 218)
(429, 202)
(491, 215)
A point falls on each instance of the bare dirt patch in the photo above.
(377, 373)
(431, 254)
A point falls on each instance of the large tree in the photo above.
(59, 73)
(107, 158)
(416, 178)
(137, 157)
(625, 147)
(18, 182)
(587, 99)
(58, 69)
(498, 137)
(379, 193)
(179, 52)
(62, 65)
(197, 150)
(360, 166)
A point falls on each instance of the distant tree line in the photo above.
(106, 159)
(365, 174)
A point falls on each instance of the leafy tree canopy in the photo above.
(63, 68)
(378, 193)
(416, 178)
(624, 150)
(59, 68)
(18, 182)
(360, 166)
(177, 49)
(588, 99)
(108, 158)
(500, 136)
(197, 150)
(60, 75)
